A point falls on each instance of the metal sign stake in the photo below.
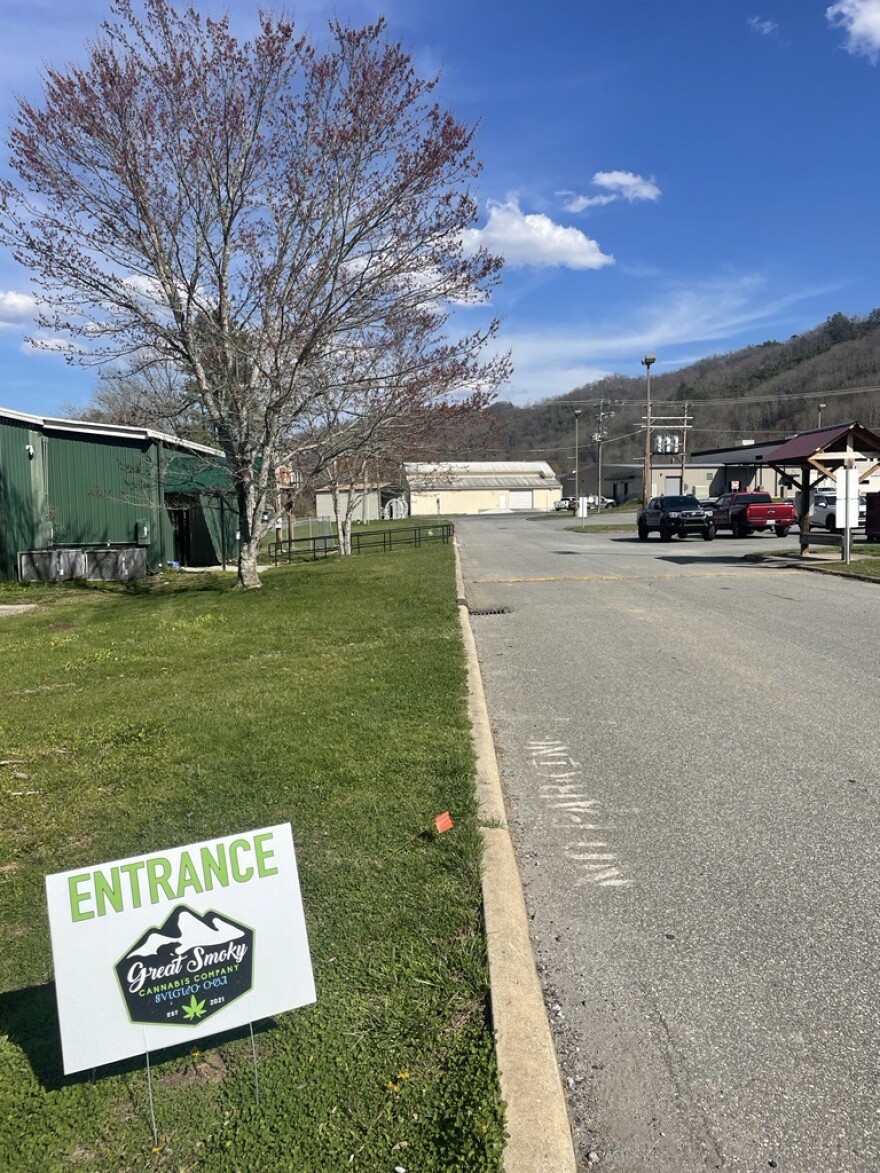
(150, 1092)
(852, 505)
(256, 1070)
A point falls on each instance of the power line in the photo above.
(776, 397)
(729, 401)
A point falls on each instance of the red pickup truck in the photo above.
(746, 513)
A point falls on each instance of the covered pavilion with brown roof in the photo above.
(820, 454)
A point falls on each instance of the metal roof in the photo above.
(741, 454)
(481, 474)
(806, 444)
(119, 431)
(418, 484)
(479, 467)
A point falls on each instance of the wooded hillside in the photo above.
(757, 393)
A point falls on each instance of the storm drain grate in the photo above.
(489, 610)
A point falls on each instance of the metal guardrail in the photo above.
(320, 545)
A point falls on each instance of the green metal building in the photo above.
(68, 485)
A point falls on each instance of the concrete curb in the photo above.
(539, 1134)
(831, 571)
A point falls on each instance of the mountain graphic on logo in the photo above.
(185, 930)
(186, 970)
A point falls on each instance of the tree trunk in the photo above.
(343, 527)
(248, 577)
(249, 541)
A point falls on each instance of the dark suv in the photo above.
(679, 516)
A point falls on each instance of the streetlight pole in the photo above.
(577, 461)
(647, 362)
(822, 407)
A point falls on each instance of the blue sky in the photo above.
(681, 179)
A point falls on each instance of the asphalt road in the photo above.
(688, 744)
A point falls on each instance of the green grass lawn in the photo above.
(865, 559)
(334, 698)
(867, 567)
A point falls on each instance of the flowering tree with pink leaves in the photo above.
(255, 215)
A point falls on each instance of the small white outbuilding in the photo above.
(482, 486)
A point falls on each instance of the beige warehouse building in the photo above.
(490, 486)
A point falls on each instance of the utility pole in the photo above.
(600, 436)
(577, 461)
(684, 443)
(674, 443)
(647, 362)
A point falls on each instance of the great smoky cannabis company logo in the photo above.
(188, 969)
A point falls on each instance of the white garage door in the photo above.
(521, 499)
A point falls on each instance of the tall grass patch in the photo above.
(335, 698)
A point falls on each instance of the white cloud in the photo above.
(860, 20)
(762, 27)
(535, 239)
(536, 377)
(718, 311)
(627, 186)
(42, 343)
(16, 309)
(147, 287)
(580, 203)
(615, 185)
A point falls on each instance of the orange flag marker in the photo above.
(444, 822)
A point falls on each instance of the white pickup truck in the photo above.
(823, 511)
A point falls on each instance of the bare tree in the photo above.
(242, 210)
(380, 404)
(156, 396)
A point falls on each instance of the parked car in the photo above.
(823, 510)
(564, 503)
(674, 516)
(747, 513)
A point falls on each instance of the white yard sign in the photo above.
(847, 502)
(169, 947)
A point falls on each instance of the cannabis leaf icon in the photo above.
(193, 1009)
